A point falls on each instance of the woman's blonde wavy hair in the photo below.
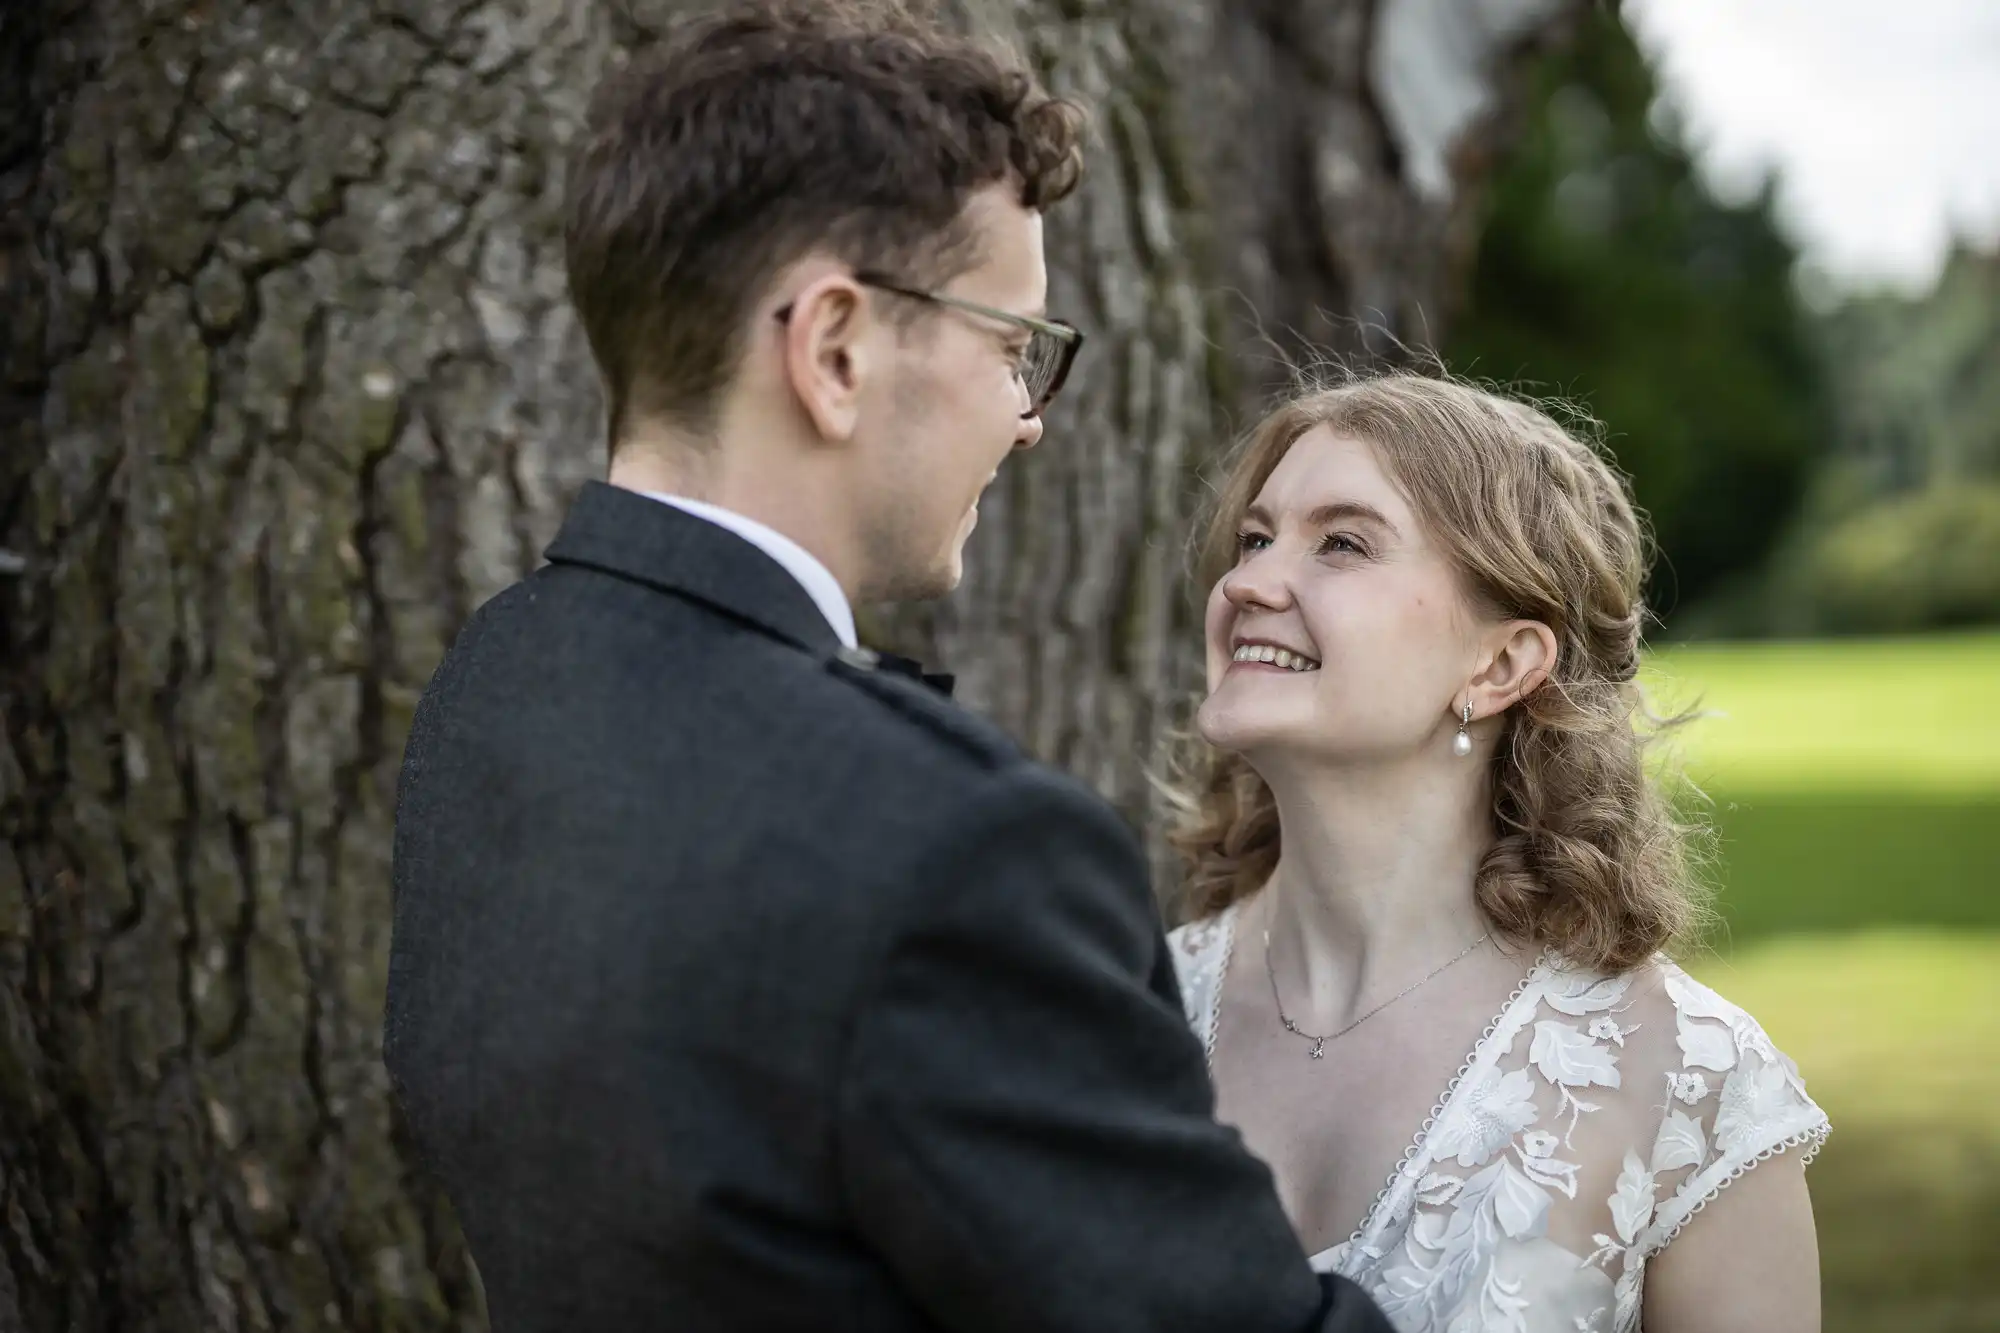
(1588, 856)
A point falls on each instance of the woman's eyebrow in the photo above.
(1326, 515)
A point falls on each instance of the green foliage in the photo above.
(1862, 562)
(1901, 530)
(1917, 379)
(1922, 561)
(1606, 272)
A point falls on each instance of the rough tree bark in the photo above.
(289, 387)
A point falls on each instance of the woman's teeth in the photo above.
(1281, 657)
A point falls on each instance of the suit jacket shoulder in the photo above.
(924, 711)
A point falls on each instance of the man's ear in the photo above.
(827, 353)
(1524, 657)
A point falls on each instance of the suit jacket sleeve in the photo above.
(1026, 1126)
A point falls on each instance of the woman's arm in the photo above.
(1747, 1263)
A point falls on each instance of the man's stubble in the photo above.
(914, 552)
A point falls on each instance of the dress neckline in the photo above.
(1410, 1168)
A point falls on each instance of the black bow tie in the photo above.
(905, 666)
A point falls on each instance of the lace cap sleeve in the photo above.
(1735, 1100)
(1200, 951)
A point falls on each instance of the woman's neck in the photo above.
(1374, 887)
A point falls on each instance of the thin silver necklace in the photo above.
(1319, 1042)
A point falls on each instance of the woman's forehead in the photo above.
(1324, 468)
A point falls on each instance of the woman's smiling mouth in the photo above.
(1254, 653)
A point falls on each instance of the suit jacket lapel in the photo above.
(631, 536)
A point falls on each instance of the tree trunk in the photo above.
(290, 387)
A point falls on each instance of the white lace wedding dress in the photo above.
(1594, 1117)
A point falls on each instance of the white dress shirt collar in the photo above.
(814, 577)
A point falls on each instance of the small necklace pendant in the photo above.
(1319, 1048)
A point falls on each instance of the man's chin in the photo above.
(950, 574)
(927, 585)
(950, 570)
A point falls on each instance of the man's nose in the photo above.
(1030, 432)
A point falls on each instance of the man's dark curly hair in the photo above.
(757, 131)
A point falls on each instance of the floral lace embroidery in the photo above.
(1200, 952)
(1458, 1241)
(1761, 1106)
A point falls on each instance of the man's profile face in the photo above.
(950, 411)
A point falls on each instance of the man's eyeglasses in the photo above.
(1052, 344)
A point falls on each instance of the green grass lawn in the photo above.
(1898, 1035)
(1789, 862)
(1862, 715)
(1855, 790)
(1851, 784)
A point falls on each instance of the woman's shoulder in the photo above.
(1697, 1037)
(1710, 1032)
(1709, 1090)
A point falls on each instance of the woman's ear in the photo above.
(1524, 657)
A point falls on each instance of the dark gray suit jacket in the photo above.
(737, 985)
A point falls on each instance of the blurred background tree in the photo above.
(1901, 529)
(290, 386)
(1607, 272)
(1916, 379)
(1810, 467)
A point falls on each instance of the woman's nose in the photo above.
(1257, 583)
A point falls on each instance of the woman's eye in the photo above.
(1247, 541)
(1339, 543)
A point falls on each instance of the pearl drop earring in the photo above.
(1461, 744)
